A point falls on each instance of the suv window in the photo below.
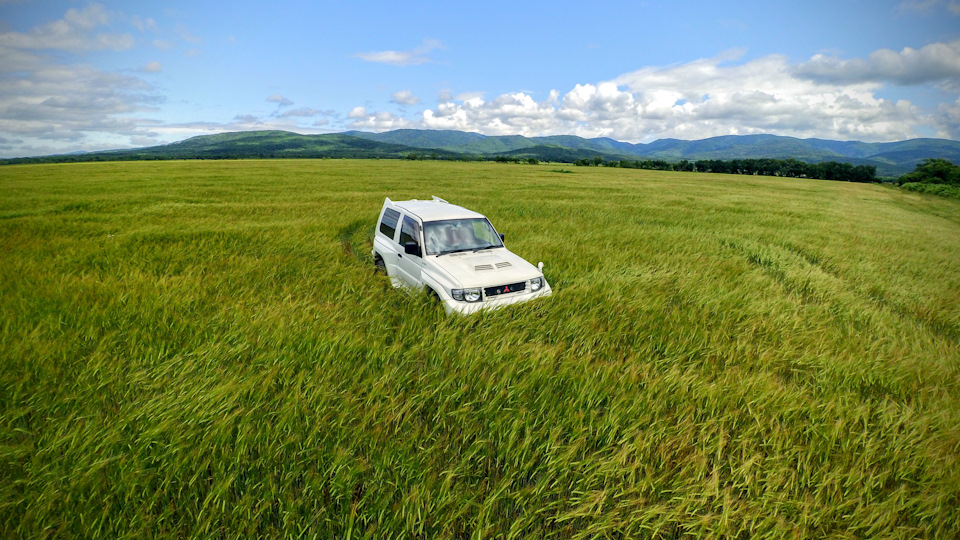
(388, 225)
(408, 231)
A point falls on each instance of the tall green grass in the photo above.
(202, 349)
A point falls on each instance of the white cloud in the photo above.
(405, 97)
(937, 62)
(465, 96)
(414, 57)
(279, 100)
(73, 33)
(508, 114)
(378, 121)
(696, 100)
(49, 106)
(948, 120)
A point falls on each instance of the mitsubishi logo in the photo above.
(506, 288)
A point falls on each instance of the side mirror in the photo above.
(411, 248)
(501, 237)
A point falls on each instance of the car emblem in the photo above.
(506, 289)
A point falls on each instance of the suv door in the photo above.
(385, 239)
(409, 266)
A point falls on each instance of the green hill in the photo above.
(251, 145)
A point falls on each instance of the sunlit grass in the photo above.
(202, 349)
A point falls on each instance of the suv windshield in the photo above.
(452, 235)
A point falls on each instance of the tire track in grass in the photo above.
(812, 283)
(777, 260)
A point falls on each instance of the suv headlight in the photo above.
(465, 295)
(536, 284)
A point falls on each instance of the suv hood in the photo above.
(486, 268)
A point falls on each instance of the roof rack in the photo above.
(438, 199)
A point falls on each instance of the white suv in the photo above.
(453, 252)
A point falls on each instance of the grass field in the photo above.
(201, 349)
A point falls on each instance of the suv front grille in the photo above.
(505, 289)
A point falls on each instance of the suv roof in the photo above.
(436, 209)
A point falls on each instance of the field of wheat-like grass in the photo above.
(201, 349)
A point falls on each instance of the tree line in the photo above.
(937, 176)
(793, 168)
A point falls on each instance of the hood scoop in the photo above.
(499, 265)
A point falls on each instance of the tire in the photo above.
(378, 266)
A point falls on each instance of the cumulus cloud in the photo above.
(506, 115)
(405, 97)
(360, 119)
(937, 62)
(465, 96)
(413, 57)
(696, 100)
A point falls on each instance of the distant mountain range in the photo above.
(891, 159)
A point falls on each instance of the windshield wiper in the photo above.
(476, 249)
(453, 251)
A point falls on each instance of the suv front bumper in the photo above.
(465, 308)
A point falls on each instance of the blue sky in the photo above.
(80, 76)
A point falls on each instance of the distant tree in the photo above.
(933, 171)
(864, 173)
